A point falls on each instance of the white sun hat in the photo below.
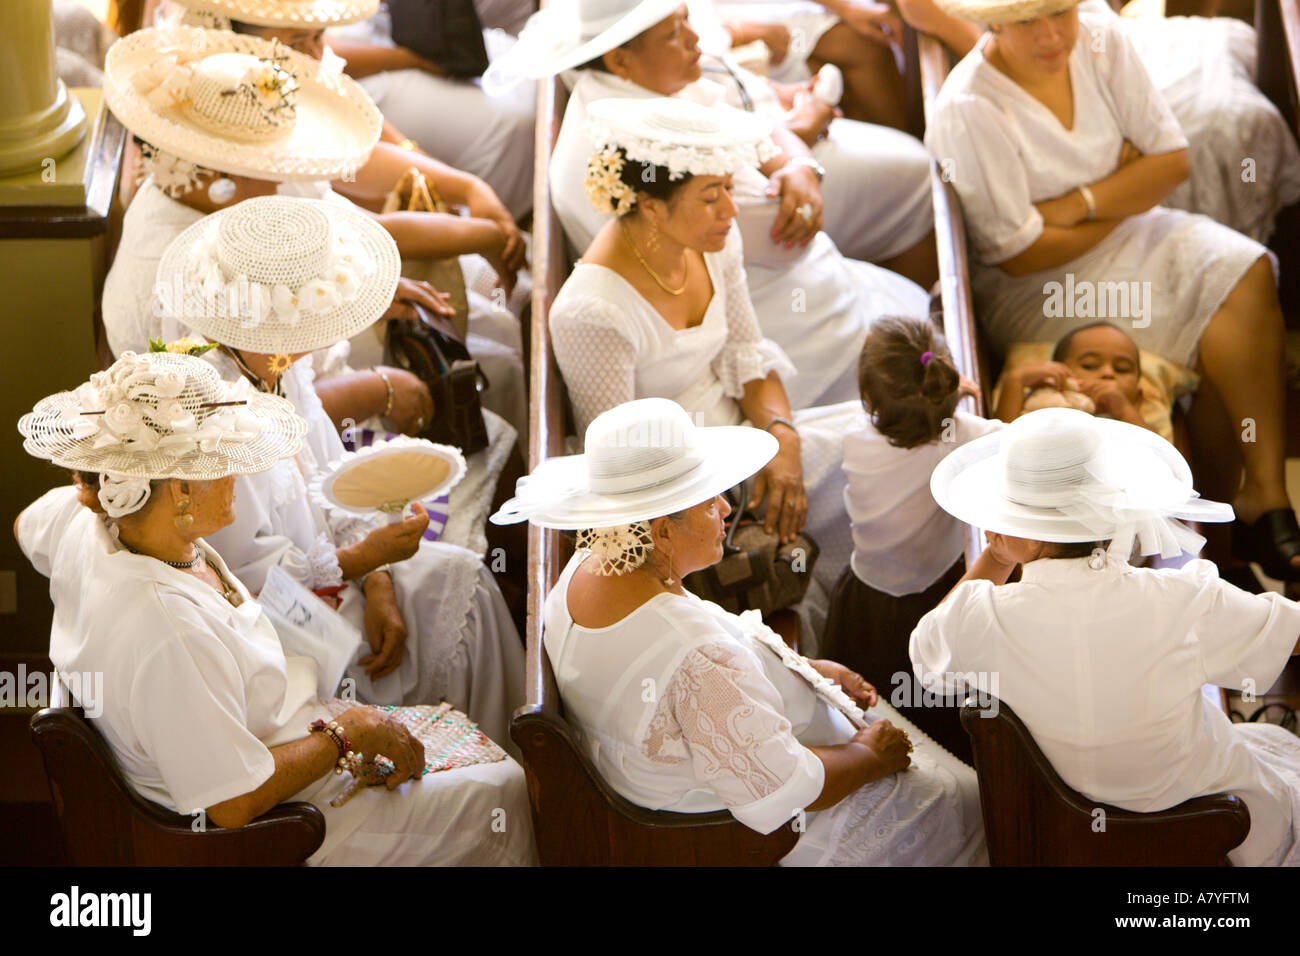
(160, 415)
(1061, 475)
(302, 14)
(685, 137)
(279, 274)
(239, 104)
(1003, 11)
(568, 33)
(644, 459)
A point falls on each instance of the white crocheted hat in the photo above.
(239, 104)
(1003, 11)
(304, 14)
(1061, 475)
(569, 33)
(644, 459)
(685, 137)
(161, 415)
(278, 274)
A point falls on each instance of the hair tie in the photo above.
(925, 357)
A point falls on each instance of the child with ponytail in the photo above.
(907, 551)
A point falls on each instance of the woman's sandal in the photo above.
(1272, 540)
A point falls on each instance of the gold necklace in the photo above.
(686, 271)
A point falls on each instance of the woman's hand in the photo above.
(1110, 400)
(385, 629)
(854, 684)
(410, 293)
(397, 542)
(483, 203)
(781, 484)
(875, 21)
(800, 193)
(412, 404)
(1127, 154)
(1034, 375)
(777, 39)
(811, 119)
(890, 746)
(1063, 212)
(372, 732)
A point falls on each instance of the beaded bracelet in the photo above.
(334, 731)
(388, 408)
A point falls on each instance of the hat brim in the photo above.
(335, 128)
(556, 494)
(1003, 11)
(970, 485)
(313, 330)
(288, 14)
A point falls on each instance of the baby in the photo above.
(1095, 368)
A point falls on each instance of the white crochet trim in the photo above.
(617, 549)
(320, 481)
(171, 174)
(324, 560)
(680, 160)
(122, 495)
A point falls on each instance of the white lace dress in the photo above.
(1244, 158)
(461, 644)
(613, 347)
(681, 708)
(1162, 274)
(818, 307)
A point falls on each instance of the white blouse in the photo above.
(902, 540)
(1105, 668)
(195, 690)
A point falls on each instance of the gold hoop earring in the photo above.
(184, 521)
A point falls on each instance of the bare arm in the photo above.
(433, 235)
(959, 36)
(367, 59)
(356, 396)
(874, 753)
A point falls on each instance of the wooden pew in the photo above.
(577, 818)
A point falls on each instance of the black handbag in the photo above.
(448, 32)
(430, 348)
(757, 571)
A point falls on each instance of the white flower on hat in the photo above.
(346, 281)
(319, 295)
(172, 414)
(286, 304)
(123, 419)
(169, 384)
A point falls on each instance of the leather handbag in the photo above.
(447, 32)
(414, 193)
(757, 571)
(430, 348)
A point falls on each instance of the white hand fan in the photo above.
(386, 477)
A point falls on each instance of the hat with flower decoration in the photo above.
(279, 275)
(160, 415)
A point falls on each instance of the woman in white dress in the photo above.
(1105, 662)
(683, 706)
(658, 307)
(193, 690)
(1061, 151)
(435, 620)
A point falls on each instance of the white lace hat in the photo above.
(1003, 11)
(304, 14)
(160, 415)
(644, 459)
(239, 104)
(1061, 475)
(683, 136)
(569, 33)
(278, 274)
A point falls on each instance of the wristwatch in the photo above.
(811, 163)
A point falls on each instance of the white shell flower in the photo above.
(172, 414)
(319, 295)
(286, 304)
(347, 283)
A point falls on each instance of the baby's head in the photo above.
(1102, 352)
(907, 380)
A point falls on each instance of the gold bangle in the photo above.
(1089, 201)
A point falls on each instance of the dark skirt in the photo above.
(868, 631)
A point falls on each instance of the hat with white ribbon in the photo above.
(160, 415)
(644, 459)
(279, 274)
(291, 14)
(1061, 475)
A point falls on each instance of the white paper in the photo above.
(309, 627)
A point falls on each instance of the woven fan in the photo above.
(385, 477)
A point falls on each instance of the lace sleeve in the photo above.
(725, 718)
(597, 360)
(746, 354)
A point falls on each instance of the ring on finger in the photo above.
(805, 212)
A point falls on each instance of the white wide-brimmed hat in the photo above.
(644, 459)
(1061, 475)
(1003, 11)
(302, 14)
(160, 415)
(569, 33)
(278, 274)
(240, 104)
(683, 136)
